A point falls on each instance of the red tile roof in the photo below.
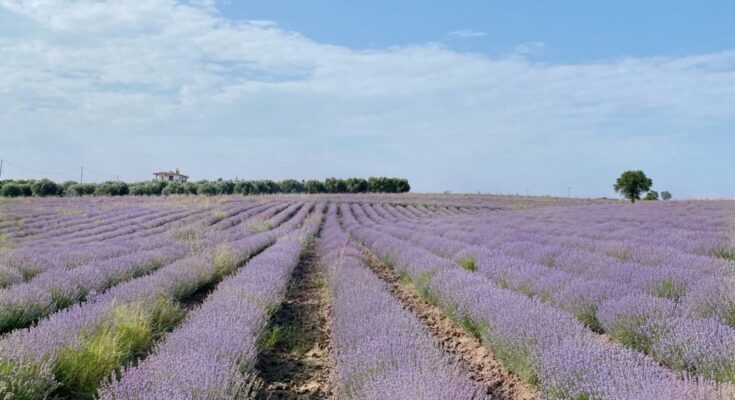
(167, 173)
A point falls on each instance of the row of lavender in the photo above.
(57, 288)
(637, 313)
(218, 342)
(381, 350)
(84, 238)
(68, 353)
(540, 343)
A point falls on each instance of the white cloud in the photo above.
(466, 34)
(129, 86)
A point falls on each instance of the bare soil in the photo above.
(298, 366)
(463, 349)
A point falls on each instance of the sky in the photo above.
(492, 96)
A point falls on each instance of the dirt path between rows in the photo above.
(298, 365)
(465, 350)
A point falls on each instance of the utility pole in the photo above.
(81, 175)
(569, 191)
(1, 167)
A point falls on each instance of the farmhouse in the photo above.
(170, 176)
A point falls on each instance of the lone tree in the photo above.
(666, 195)
(632, 183)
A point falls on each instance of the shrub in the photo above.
(111, 188)
(651, 195)
(174, 188)
(11, 190)
(291, 186)
(207, 189)
(81, 189)
(313, 186)
(44, 188)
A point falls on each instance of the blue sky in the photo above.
(490, 96)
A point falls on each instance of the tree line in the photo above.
(46, 187)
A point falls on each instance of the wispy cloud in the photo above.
(185, 87)
(466, 34)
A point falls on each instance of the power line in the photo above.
(101, 174)
(80, 169)
(38, 172)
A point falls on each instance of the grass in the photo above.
(25, 382)
(223, 261)
(130, 332)
(186, 234)
(548, 261)
(4, 240)
(468, 263)
(472, 327)
(724, 253)
(261, 225)
(421, 283)
(670, 290)
(621, 254)
(271, 337)
(218, 215)
(20, 316)
(587, 315)
(517, 360)
(628, 334)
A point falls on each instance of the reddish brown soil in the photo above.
(298, 366)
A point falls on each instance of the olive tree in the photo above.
(632, 183)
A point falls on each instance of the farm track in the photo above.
(298, 366)
(466, 351)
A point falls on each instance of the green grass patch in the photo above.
(224, 262)
(468, 263)
(587, 315)
(517, 360)
(130, 332)
(4, 240)
(627, 334)
(271, 337)
(186, 234)
(670, 290)
(261, 225)
(20, 316)
(421, 283)
(29, 272)
(724, 253)
(472, 327)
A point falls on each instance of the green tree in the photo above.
(81, 189)
(651, 195)
(357, 185)
(44, 187)
(314, 186)
(207, 188)
(291, 186)
(666, 195)
(245, 187)
(632, 183)
(112, 188)
(11, 190)
(335, 185)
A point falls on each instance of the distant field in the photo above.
(410, 296)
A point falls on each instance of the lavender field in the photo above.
(366, 297)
